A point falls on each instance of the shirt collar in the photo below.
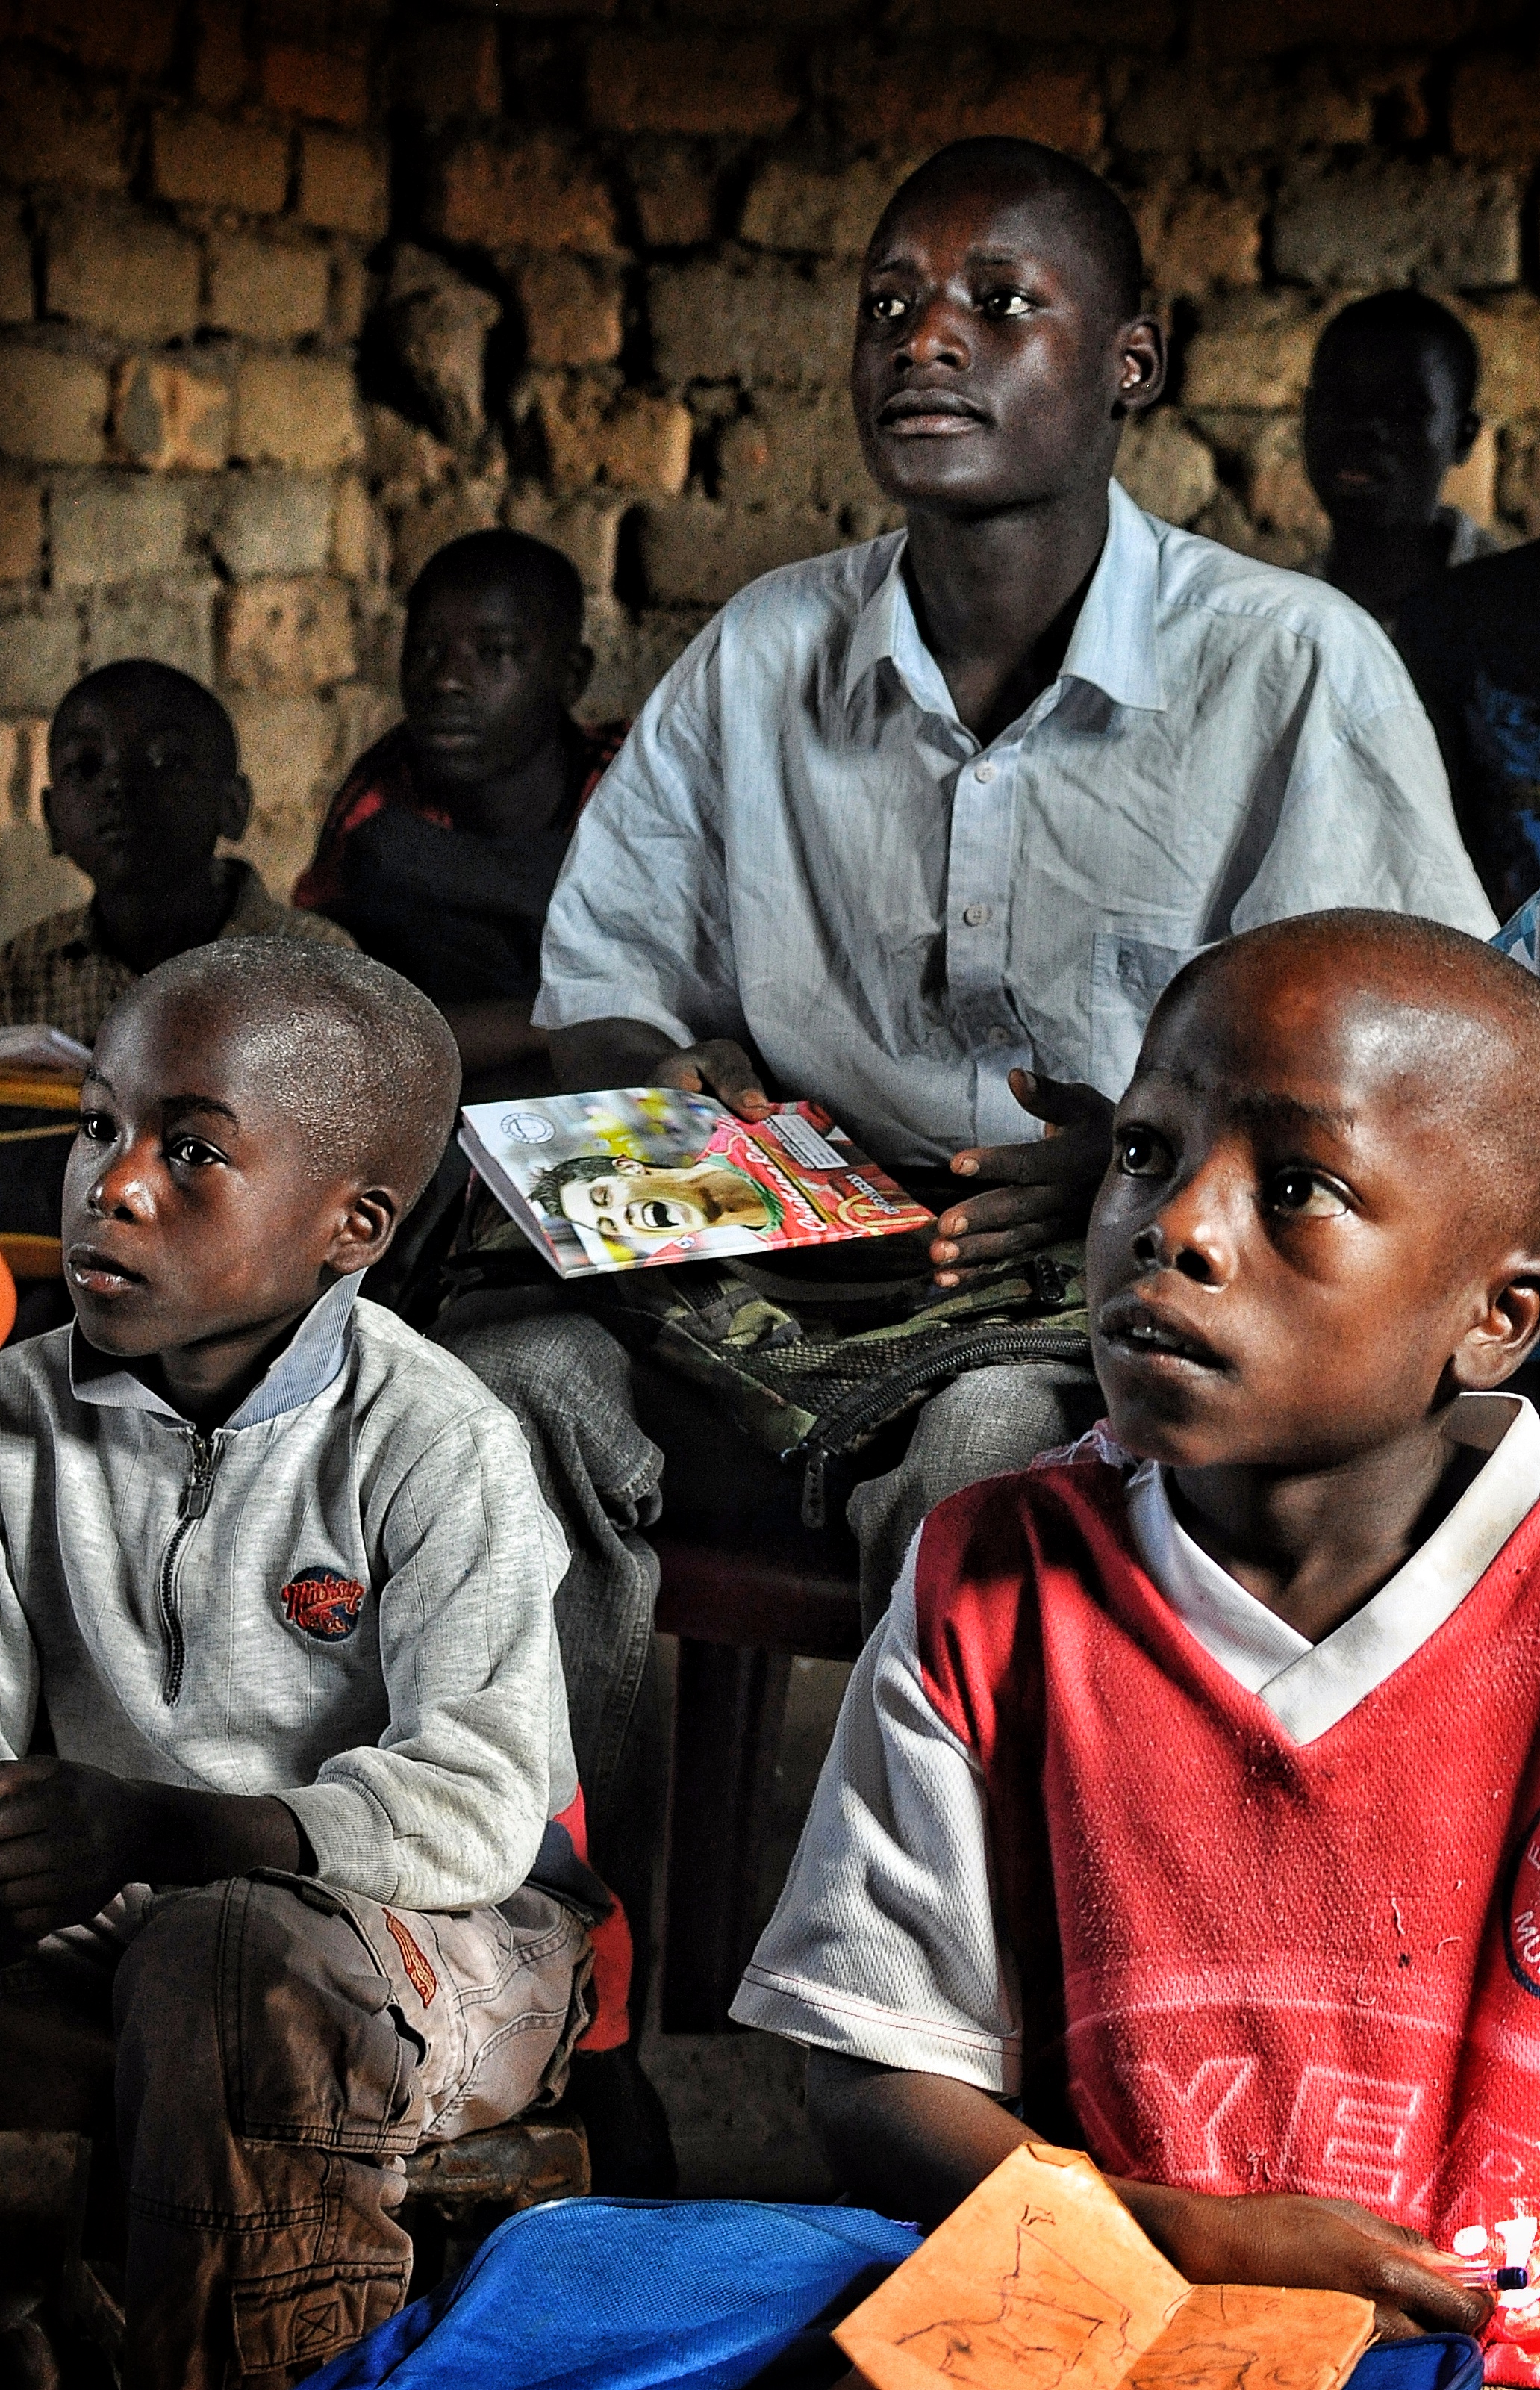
(1112, 645)
(310, 1362)
(1311, 1686)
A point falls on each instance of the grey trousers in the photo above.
(621, 1445)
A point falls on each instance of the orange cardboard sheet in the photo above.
(1042, 2281)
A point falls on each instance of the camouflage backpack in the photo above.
(811, 1366)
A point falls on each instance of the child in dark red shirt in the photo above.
(441, 850)
(1189, 1795)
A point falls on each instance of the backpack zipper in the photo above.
(873, 1405)
(191, 1506)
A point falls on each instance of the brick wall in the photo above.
(291, 291)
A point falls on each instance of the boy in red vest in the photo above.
(1186, 1803)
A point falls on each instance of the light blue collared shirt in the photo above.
(800, 844)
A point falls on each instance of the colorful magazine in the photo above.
(642, 1176)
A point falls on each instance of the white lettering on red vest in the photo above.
(1185, 2117)
(1349, 2134)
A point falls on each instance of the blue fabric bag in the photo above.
(1441, 2360)
(1435, 2362)
(629, 2293)
(621, 2293)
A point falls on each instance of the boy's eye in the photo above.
(886, 307)
(1142, 1154)
(96, 1127)
(192, 1151)
(1005, 304)
(1302, 1194)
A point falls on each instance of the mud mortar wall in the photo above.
(290, 292)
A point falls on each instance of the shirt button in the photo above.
(983, 772)
(1000, 1037)
(976, 915)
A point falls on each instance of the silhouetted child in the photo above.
(442, 848)
(1188, 1790)
(281, 1573)
(144, 780)
(1390, 411)
(1472, 645)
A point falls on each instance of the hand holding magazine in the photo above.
(637, 1176)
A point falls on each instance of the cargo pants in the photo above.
(281, 2048)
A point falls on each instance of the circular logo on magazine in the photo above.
(1523, 1922)
(527, 1128)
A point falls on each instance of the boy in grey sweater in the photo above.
(279, 1575)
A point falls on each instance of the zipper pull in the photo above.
(813, 1487)
(199, 1484)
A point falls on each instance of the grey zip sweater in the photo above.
(343, 1596)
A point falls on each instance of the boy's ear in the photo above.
(578, 674)
(372, 1219)
(234, 808)
(1141, 366)
(1506, 1335)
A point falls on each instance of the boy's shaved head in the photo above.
(144, 780)
(1452, 1021)
(1404, 318)
(1322, 1217)
(1388, 410)
(142, 683)
(1006, 166)
(492, 662)
(544, 582)
(1000, 344)
(363, 1063)
(257, 1118)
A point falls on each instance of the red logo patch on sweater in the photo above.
(1521, 1924)
(419, 1973)
(322, 1604)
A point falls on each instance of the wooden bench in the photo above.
(458, 2192)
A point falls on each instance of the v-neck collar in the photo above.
(1310, 1687)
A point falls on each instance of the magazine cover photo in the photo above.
(640, 1175)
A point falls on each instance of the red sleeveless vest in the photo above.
(1314, 1967)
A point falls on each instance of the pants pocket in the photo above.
(313, 2049)
(288, 2325)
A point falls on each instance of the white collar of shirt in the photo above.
(1112, 645)
(307, 1366)
(1310, 1687)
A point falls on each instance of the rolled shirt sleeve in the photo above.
(448, 1809)
(883, 1944)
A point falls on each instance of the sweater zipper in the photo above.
(193, 1503)
(843, 1428)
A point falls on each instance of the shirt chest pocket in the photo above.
(1128, 975)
